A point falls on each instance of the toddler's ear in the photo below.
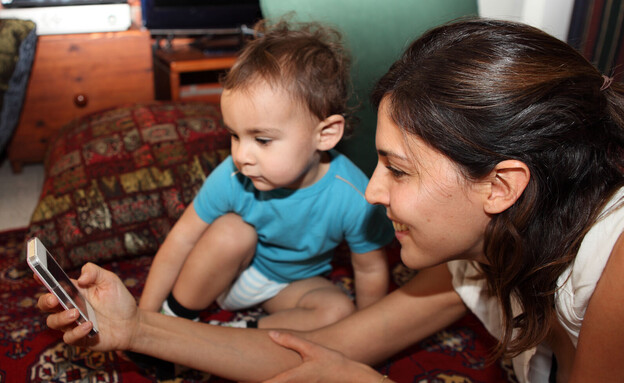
(330, 132)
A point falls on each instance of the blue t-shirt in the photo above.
(299, 229)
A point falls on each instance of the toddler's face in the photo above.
(274, 138)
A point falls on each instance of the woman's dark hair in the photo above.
(308, 60)
(483, 91)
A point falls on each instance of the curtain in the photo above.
(597, 31)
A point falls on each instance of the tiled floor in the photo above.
(18, 195)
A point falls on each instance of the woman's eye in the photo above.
(396, 173)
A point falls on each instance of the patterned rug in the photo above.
(30, 352)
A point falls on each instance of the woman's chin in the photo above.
(410, 259)
(415, 259)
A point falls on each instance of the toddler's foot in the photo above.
(173, 308)
(250, 323)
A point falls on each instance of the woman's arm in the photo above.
(170, 258)
(600, 349)
(371, 276)
(239, 354)
(424, 305)
(321, 364)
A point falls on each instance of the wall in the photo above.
(552, 16)
(376, 36)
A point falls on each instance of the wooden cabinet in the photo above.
(73, 75)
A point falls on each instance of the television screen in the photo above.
(182, 16)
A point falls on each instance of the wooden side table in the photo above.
(186, 73)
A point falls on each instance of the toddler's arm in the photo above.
(170, 258)
(371, 276)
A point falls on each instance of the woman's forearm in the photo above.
(236, 354)
(421, 307)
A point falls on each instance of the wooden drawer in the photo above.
(73, 75)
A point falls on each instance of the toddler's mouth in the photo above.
(399, 226)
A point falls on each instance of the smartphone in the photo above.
(54, 278)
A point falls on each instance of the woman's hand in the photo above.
(321, 364)
(116, 312)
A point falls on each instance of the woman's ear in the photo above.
(507, 183)
(330, 132)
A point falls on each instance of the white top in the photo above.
(575, 287)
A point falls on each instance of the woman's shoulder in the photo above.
(577, 285)
(598, 243)
(600, 341)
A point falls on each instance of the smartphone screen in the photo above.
(63, 280)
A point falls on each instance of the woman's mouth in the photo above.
(398, 227)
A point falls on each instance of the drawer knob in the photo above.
(81, 100)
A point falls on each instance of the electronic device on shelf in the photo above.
(198, 17)
(52, 3)
(56, 20)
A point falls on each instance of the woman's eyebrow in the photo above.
(387, 153)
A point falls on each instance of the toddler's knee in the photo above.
(336, 310)
(231, 234)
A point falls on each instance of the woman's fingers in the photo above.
(90, 274)
(78, 334)
(48, 303)
(63, 319)
(292, 342)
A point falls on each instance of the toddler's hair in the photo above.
(307, 60)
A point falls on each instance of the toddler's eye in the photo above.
(263, 141)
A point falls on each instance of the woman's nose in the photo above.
(376, 191)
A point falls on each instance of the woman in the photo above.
(501, 164)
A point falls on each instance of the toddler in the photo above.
(263, 227)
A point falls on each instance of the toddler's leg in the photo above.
(306, 305)
(224, 250)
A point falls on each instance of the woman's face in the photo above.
(437, 215)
